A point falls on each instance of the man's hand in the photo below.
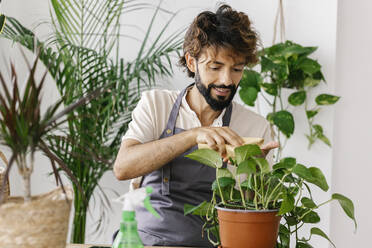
(265, 150)
(217, 137)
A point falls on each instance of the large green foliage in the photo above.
(82, 54)
(287, 66)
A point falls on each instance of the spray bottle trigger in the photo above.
(149, 207)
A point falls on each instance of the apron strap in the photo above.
(170, 129)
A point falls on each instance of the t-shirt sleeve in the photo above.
(142, 126)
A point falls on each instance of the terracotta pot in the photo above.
(248, 228)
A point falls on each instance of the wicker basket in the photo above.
(40, 223)
(2, 177)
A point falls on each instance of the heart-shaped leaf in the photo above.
(307, 202)
(244, 152)
(247, 167)
(222, 172)
(248, 95)
(285, 122)
(347, 205)
(317, 231)
(297, 98)
(224, 182)
(326, 99)
(311, 217)
(318, 178)
(207, 156)
(263, 164)
(287, 204)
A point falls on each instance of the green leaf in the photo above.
(222, 172)
(263, 164)
(318, 129)
(323, 138)
(311, 82)
(2, 22)
(347, 205)
(317, 231)
(247, 166)
(311, 217)
(251, 78)
(309, 66)
(284, 235)
(307, 202)
(285, 163)
(303, 172)
(326, 99)
(207, 156)
(200, 209)
(248, 95)
(224, 182)
(303, 244)
(267, 64)
(284, 121)
(270, 118)
(271, 89)
(287, 204)
(247, 183)
(244, 152)
(297, 98)
(318, 178)
(311, 113)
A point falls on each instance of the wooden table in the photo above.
(88, 246)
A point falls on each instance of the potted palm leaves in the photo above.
(249, 199)
(32, 221)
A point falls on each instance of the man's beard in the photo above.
(216, 104)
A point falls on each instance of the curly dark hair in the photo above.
(226, 28)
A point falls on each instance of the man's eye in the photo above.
(238, 70)
(214, 68)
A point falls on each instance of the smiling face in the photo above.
(217, 75)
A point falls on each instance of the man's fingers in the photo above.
(269, 146)
(230, 136)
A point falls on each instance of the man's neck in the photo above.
(200, 106)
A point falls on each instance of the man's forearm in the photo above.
(141, 159)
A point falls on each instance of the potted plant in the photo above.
(32, 221)
(286, 78)
(249, 199)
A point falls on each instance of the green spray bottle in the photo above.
(128, 235)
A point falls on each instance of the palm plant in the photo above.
(83, 55)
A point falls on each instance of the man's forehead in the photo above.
(213, 54)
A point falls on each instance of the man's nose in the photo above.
(226, 78)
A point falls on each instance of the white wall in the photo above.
(312, 23)
(352, 162)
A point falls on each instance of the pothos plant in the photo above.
(288, 66)
(285, 187)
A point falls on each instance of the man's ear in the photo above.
(190, 62)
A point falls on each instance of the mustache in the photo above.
(231, 87)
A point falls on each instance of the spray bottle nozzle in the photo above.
(138, 197)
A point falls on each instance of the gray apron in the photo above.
(180, 181)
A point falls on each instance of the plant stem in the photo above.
(241, 191)
(219, 188)
(311, 209)
(276, 187)
(78, 233)
(255, 192)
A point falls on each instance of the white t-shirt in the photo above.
(151, 115)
